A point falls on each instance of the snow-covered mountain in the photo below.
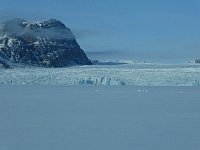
(47, 43)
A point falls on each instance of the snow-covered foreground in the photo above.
(130, 74)
(99, 118)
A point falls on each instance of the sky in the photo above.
(151, 30)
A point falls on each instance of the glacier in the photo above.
(134, 74)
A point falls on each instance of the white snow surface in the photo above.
(36, 117)
(128, 74)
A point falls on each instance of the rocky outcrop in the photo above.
(47, 43)
(4, 64)
(197, 61)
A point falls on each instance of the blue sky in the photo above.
(143, 29)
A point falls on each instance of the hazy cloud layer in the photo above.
(83, 33)
(20, 27)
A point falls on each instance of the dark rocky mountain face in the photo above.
(48, 43)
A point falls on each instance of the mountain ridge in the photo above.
(46, 43)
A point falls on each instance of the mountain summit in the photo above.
(45, 43)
